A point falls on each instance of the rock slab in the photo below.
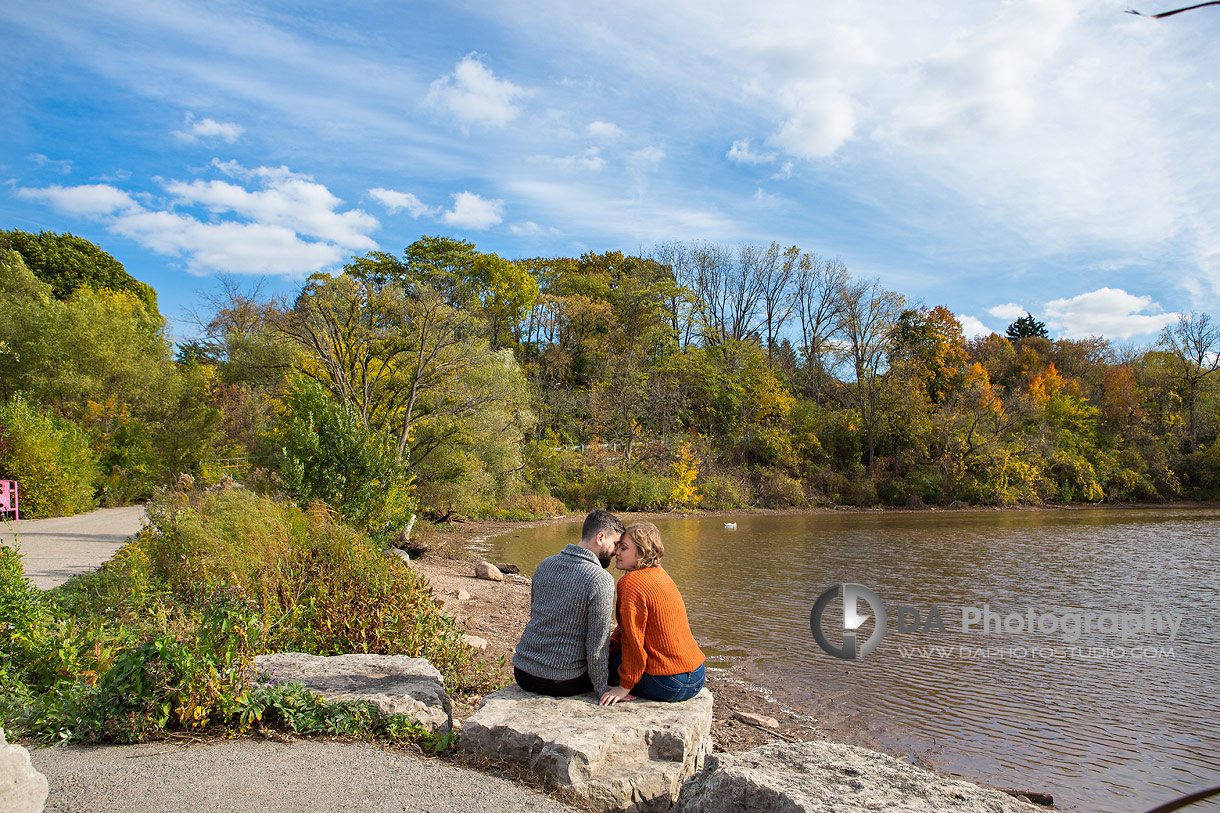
(395, 684)
(22, 788)
(630, 756)
(821, 777)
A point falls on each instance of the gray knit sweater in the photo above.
(571, 611)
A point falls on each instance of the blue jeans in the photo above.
(666, 688)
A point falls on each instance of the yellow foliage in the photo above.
(978, 384)
(685, 470)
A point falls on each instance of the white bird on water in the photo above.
(730, 525)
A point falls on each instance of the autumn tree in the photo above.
(1194, 347)
(819, 297)
(868, 318)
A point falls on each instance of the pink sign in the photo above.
(8, 498)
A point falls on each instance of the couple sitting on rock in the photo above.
(567, 647)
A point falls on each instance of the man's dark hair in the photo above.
(600, 522)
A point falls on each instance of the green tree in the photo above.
(323, 451)
(67, 262)
(398, 356)
(1025, 327)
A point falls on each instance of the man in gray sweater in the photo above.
(564, 649)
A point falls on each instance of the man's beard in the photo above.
(605, 559)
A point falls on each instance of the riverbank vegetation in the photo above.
(449, 381)
(162, 637)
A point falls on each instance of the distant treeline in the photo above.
(695, 375)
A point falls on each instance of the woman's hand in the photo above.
(616, 694)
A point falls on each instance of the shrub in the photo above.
(323, 452)
(778, 490)
(723, 493)
(685, 471)
(214, 580)
(49, 458)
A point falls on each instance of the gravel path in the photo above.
(54, 550)
(247, 775)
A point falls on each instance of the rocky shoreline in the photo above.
(495, 613)
(745, 716)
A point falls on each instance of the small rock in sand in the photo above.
(756, 719)
(486, 570)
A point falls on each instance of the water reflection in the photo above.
(1099, 732)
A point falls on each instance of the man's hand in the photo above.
(616, 694)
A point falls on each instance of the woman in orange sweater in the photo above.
(652, 652)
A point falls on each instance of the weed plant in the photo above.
(163, 636)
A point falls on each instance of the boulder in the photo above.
(22, 788)
(825, 776)
(462, 594)
(630, 756)
(402, 555)
(507, 569)
(395, 684)
(486, 570)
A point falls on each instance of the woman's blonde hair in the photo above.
(648, 543)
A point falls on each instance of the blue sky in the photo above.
(1055, 156)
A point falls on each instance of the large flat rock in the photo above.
(823, 777)
(629, 756)
(395, 684)
(22, 788)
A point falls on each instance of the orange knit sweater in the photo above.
(652, 628)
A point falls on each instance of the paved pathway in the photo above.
(54, 550)
(303, 776)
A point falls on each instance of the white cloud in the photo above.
(239, 248)
(972, 327)
(288, 226)
(648, 155)
(292, 201)
(473, 95)
(41, 161)
(89, 200)
(1109, 312)
(531, 229)
(1009, 311)
(590, 159)
(471, 211)
(209, 128)
(605, 131)
(584, 208)
(784, 172)
(398, 201)
(820, 119)
(742, 153)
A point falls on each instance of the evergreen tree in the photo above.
(1025, 327)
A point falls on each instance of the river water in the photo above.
(1103, 722)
